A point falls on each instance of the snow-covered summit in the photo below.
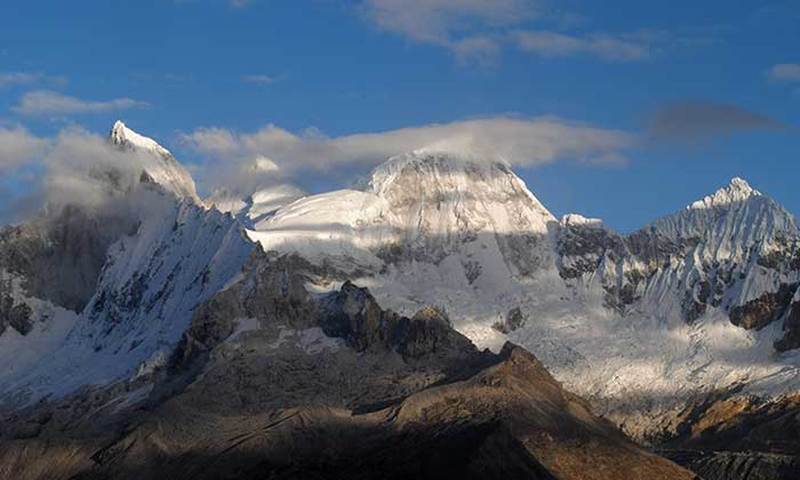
(434, 160)
(423, 205)
(122, 135)
(738, 190)
(729, 221)
(433, 177)
(158, 164)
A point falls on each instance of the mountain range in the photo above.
(438, 312)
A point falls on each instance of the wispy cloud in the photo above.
(466, 27)
(8, 79)
(18, 147)
(44, 102)
(693, 121)
(479, 30)
(604, 46)
(259, 79)
(70, 170)
(441, 21)
(520, 141)
(240, 3)
(785, 72)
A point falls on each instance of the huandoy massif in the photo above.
(437, 307)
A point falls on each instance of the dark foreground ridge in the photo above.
(324, 386)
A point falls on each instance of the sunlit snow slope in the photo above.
(695, 302)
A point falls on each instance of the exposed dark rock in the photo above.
(508, 420)
(274, 291)
(514, 320)
(784, 256)
(17, 315)
(791, 328)
(19, 318)
(353, 314)
(397, 398)
(583, 246)
(738, 465)
(59, 257)
(757, 314)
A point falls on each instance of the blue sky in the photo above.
(327, 70)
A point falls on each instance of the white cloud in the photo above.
(18, 147)
(460, 25)
(522, 142)
(44, 102)
(482, 49)
(8, 79)
(479, 29)
(604, 46)
(786, 72)
(75, 167)
(259, 79)
(436, 21)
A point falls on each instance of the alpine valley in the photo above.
(436, 322)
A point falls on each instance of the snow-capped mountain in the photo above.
(698, 302)
(158, 164)
(427, 207)
(92, 295)
(146, 293)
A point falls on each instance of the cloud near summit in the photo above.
(522, 142)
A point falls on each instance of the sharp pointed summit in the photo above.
(158, 164)
(738, 190)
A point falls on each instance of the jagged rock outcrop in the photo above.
(290, 402)
(353, 314)
(738, 465)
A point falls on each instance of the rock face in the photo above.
(275, 397)
(58, 257)
(14, 315)
(739, 466)
(353, 314)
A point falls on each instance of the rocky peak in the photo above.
(124, 136)
(738, 190)
(731, 220)
(353, 313)
(158, 164)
